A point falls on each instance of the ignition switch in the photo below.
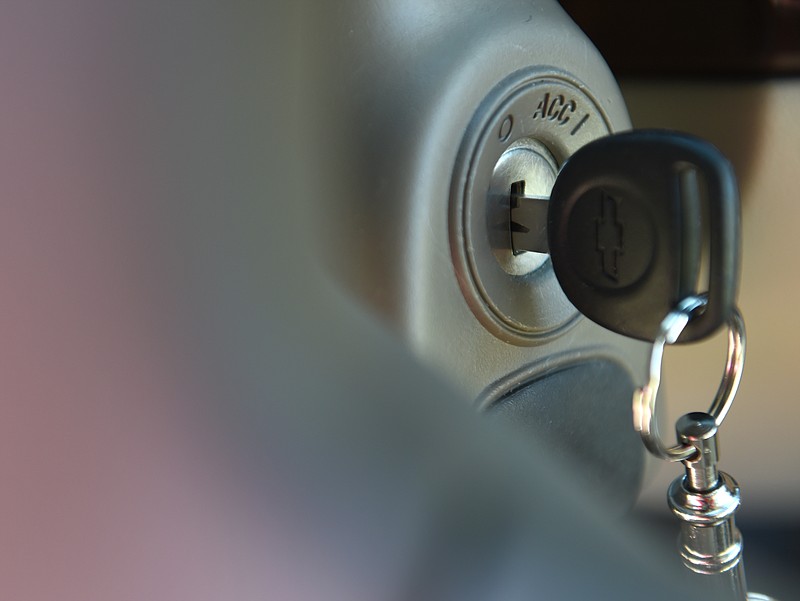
(522, 132)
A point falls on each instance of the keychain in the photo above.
(627, 222)
(704, 499)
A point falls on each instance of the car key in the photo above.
(627, 221)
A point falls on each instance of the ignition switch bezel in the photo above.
(556, 111)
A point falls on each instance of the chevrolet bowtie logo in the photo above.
(609, 236)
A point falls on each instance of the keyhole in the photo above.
(526, 160)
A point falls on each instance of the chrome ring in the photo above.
(644, 398)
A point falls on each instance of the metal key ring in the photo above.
(644, 398)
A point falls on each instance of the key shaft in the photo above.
(528, 221)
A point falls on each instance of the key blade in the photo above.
(528, 223)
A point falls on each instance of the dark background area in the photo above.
(681, 38)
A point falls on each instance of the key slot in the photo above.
(521, 184)
(527, 221)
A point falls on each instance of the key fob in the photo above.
(629, 217)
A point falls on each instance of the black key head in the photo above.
(630, 216)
